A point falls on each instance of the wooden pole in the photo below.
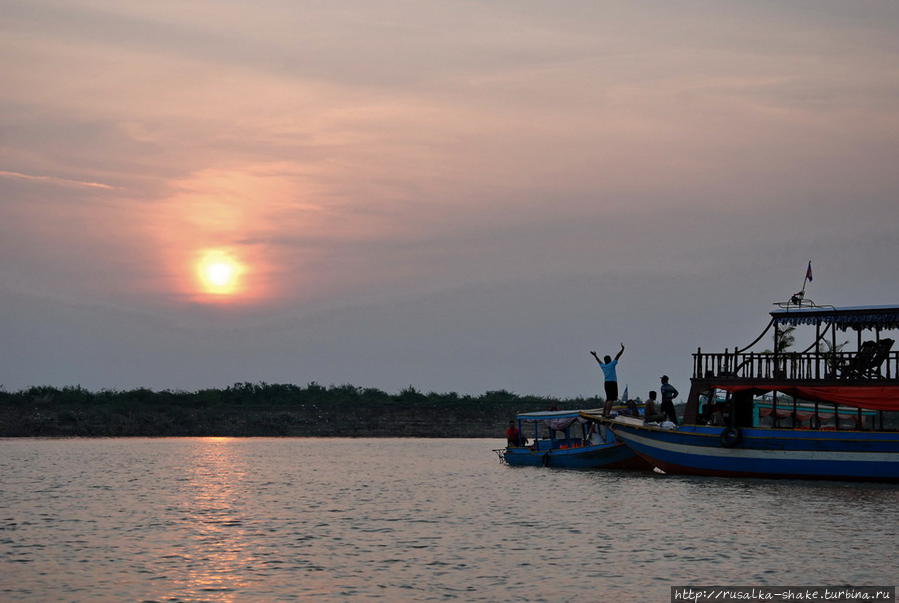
(774, 408)
(794, 412)
(833, 348)
(817, 349)
(776, 339)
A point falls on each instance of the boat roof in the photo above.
(548, 414)
(854, 317)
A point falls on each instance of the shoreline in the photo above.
(266, 410)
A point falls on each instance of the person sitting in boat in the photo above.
(650, 414)
(610, 375)
(669, 393)
(513, 436)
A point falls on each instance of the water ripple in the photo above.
(220, 519)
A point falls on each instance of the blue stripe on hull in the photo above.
(588, 457)
(780, 439)
(849, 455)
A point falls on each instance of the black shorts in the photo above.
(611, 390)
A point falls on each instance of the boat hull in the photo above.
(772, 453)
(606, 456)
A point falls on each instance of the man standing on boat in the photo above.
(513, 436)
(610, 375)
(669, 393)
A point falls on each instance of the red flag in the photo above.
(808, 273)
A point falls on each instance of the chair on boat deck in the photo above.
(880, 356)
(866, 363)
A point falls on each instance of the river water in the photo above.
(238, 519)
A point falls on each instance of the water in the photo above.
(221, 519)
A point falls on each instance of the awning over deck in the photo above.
(548, 415)
(559, 420)
(873, 397)
(854, 317)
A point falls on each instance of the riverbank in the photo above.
(251, 409)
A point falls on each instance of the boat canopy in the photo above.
(852, 317)
(873, 397)
(548, 415)
(558, 420)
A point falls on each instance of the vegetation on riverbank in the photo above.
(264, 409)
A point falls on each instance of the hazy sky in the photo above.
(452, 195)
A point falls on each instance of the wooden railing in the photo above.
(812, 366)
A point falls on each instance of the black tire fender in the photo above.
(731, 436)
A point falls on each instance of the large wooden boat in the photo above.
(569, 441)
(825, 414)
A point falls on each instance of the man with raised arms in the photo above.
(609, 373)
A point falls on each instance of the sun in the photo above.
(219, 273)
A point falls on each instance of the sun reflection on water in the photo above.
(215, 552)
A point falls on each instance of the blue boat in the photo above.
(700, 450)
(584, 444)
(821, 413)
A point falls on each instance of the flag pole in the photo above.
(808, 274)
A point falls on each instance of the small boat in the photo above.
(595, 446)
(821, 413)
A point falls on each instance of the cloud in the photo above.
(56, 180)
(394, 152)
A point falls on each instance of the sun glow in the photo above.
(219, 273)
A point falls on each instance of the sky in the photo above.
(451, 195)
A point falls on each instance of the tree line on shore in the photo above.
(266, 409)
